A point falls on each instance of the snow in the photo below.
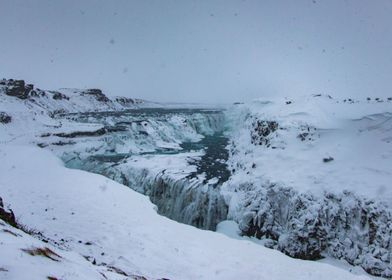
(75, 205)
(313, 174)
(16, 264)
(356, 135)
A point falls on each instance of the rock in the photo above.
(17, 88)
(328, 159)
(29, 87)
(97, 132)
(302, 136)
(59, 96)
(97, 93)
(7, 216)
(5, 118)
(125, 101)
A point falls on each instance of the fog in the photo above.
(200, 51)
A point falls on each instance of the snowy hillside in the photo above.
(16, 95)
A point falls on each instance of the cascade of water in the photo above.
(186, 199)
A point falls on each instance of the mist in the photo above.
(200, 51)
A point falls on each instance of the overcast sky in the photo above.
(200, 51)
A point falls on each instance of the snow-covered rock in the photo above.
(314, 175)
(17, 94)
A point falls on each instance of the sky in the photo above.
(200, 51)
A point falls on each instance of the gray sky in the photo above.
(200, 51)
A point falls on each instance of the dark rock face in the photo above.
(97, 93)
(37, 93)
(342, 226)
(5, 118)
(98, 132)
(59, 96)
(17, 88)
(7, 216)
(125, 101)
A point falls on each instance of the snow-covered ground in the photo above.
(357, 135)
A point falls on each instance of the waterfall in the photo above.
(186, 199)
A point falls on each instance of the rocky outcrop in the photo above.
(126, 102)
(59, 96)
(5, 118)
(97, 93)
(67, 100)
(74, 134)
(7, 216)
(17, 88)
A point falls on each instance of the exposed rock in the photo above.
(328, 159)
(125, 101)
(59, 96)
(303, 136)
(97, 93)
(62, 143)
(37, 93)
(7, 216)
(5, 118)
(17, 88)
(97, 132)
(29, 87)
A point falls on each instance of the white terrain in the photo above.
(94, 187)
